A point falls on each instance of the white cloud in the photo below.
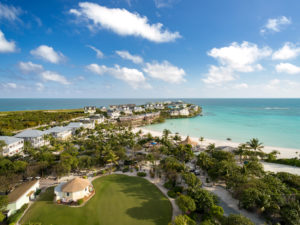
(281, 85)
(29, 67)
(288, 51)
(134, 58)
(165, 3)
(240, 58)
(10, 85)
(241, 86)
(123, 22)
(287, 68)
(218, 75)
(99, 53)
(10, 13)
(133, 77)
(276, 24)
(48, 54)
(40, 86)
(53, 76)
(165, 71)
(5, 45)
(273, 84)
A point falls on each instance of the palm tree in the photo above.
(211, 148)
(201, 139)
(255, 144)
(111, 158)
(166, 133)
(240, 151)
(177, 137)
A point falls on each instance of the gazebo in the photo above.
(188, 141)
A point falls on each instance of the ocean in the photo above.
(276, 122)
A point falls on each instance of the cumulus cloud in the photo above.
(48, 54)
(240, 57)
(99, 53)
(133, 77)
(10, 85)
(235, 58)
(287, 68)
(29, 67)
(165, 71)
(241, 86)
(9, 13)
(53, 76)
(5, 45)
(276, 24)
(288, 51)
(40, 86)
(165, 3)
(123, 22)
(134, 58)
(218, 75)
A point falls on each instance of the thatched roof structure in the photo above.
(76, 184)
(188, 141)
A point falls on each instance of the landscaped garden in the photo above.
(119, 199)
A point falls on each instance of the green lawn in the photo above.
(119, 200)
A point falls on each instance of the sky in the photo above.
(150, 49)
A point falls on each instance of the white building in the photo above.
(103, 109)
(149, 106)
(21, 196)
(159, 106)
(34, 137)
(74, 126)
(73, 190)
(97, 118)
(138, 109)
(184, 112)
(90, 109)
(13, 145)
(174, 113)
(113, 114)
(87, 123)
(62, 133)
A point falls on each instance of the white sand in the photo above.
(284, 152)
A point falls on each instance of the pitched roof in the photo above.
(57, 130)
(20, 190)
(76, 184)
(189, 141)
(9, 140)
(30, 133)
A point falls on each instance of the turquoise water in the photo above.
(276, 122)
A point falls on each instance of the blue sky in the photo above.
(149, 48)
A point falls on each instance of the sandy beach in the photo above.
(284, 152)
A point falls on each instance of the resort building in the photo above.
(74, 126)
(149, 106)
(113, 114)
(97, 118)
(103, 109)
(21, 195)
(159, 106)
(138, 109)
(184, 112)
(73, 190)
(90, 109)
(174, 113)
(87, 123)
(62, 133)
(12, 146)
(34, 137)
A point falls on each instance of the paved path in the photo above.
(229, 204)
(275, 167)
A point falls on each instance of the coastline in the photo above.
(284, 152)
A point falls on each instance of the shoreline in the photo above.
(284, 152)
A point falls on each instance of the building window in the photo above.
(68, 194)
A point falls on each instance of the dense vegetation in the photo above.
(14, 121)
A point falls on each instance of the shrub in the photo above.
(80, 201)
(103, 172)
(125, 169)
(84, 177)
(38, 191)
(169, 185)
(152, 174)
(178, 189)
(17, 215)
(171, 194)
(141, 174)
(136, 168)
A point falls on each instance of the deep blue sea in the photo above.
(276, 122)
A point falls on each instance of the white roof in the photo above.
(30, 134)
(9, 140)
(57, 130)
(75, 125)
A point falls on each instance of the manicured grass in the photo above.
(119, 200)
